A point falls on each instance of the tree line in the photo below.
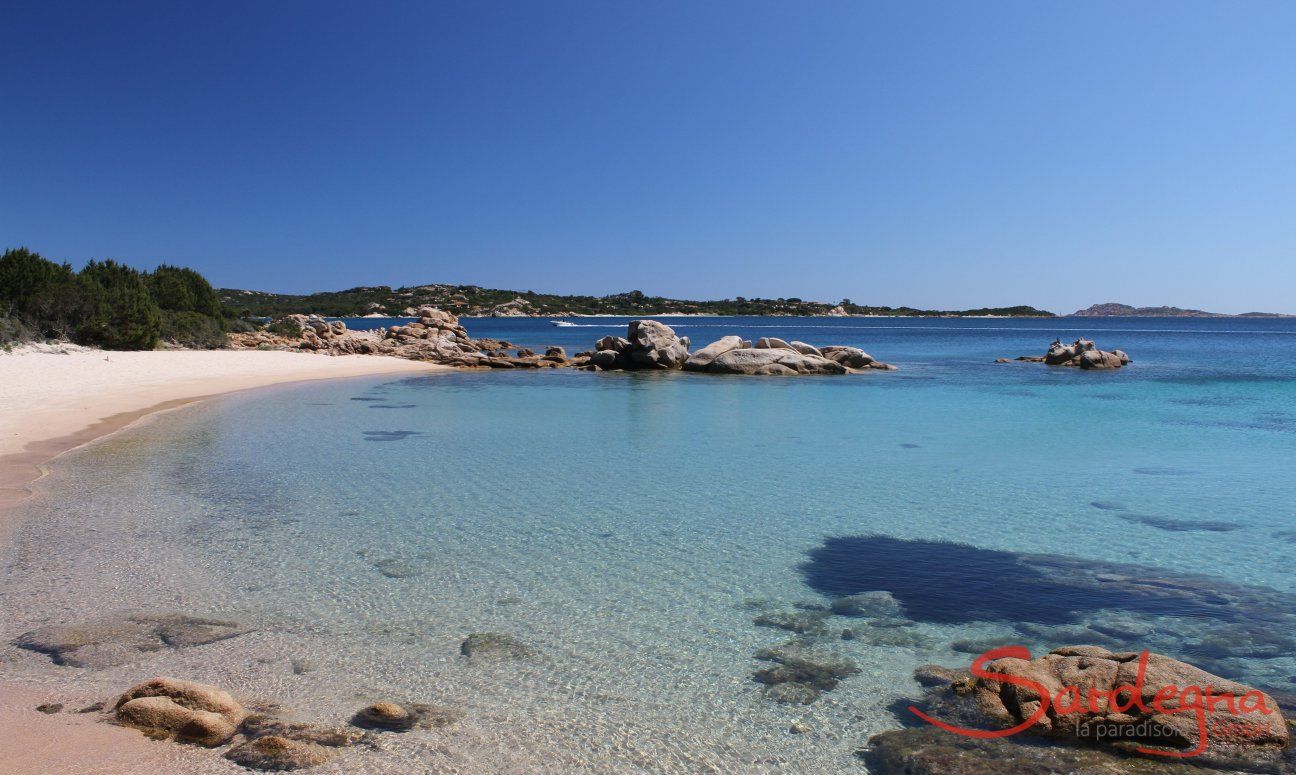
(107, 304)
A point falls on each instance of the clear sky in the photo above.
(947, 155)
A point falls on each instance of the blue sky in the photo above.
(933, 154)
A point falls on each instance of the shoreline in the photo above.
(50, 405)
(39, 404)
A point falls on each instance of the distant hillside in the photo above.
(475, 301)
(1112, 309)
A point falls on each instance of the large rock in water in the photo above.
(654, 345)
(776, 361)
(1081, 353)
(699, 360)
(1238, 734)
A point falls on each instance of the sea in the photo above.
(630, 529)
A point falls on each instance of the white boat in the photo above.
(562, 323)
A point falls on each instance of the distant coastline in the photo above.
(476, 301)
(1114, 309)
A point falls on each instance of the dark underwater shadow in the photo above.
(952, 583)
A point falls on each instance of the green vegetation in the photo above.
(472, 300)
(106, 304)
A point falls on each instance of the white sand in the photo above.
(46, 395)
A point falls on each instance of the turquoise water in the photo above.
(629, 527)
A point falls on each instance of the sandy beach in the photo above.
(56, 399)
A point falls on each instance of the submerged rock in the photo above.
(274, 753)
(875, 603)
(792, 693)
(932, 751)
(398, 717)
(802, 622)
(264, 725)
(117, 640)
(493, 645)
(802, 670)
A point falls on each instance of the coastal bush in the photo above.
(12, 331)
(42, 295)
(192, 329)
(242, 326)
(179, 289)
(285, 327)
(125, 316)
(107, 304)
(191, 310)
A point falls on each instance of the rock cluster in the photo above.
(436, 337)
(1237, 739)
(310, 333)
(809, 665)
(652, 345)
(1082, 353)
(198, 714)
(802, 670)
(648, 345)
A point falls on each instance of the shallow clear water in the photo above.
(628, 527)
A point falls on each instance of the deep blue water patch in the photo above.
(1163, 471)
(1107, 505)
(953, 583)
(1182, 525)
(392, 406)
(390, 435)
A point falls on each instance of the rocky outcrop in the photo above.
(436, 337)
(653, 345)
(648, 345)
(1082, 353)
(700, 360)
(309, 333)
(1247, 733)
(773, 361)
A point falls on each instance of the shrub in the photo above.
(242, 326)
(192, 329)
(125, 318)
(179, 289)
(285, 327)
(12, 331)
(43, 295)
